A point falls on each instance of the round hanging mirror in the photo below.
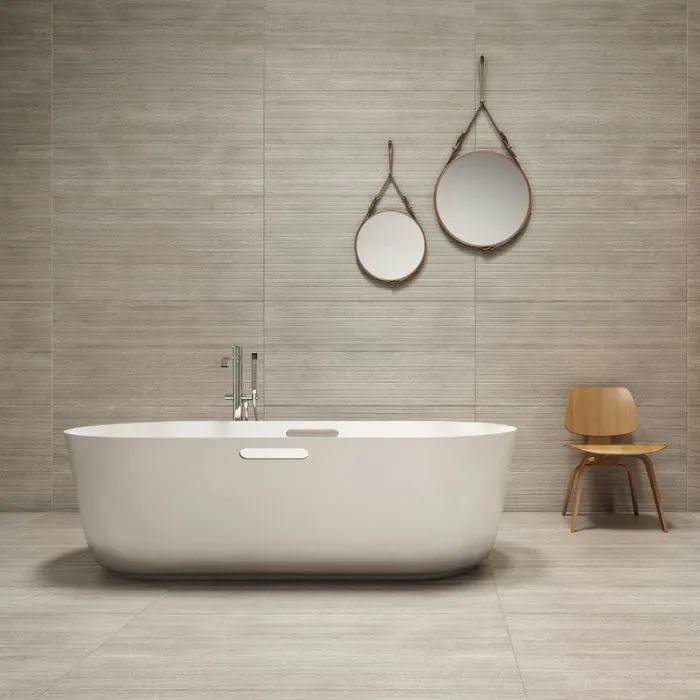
(483, 199)
(390, 245)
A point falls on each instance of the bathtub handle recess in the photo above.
(273, 453)
(312, 432)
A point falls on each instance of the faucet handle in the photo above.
(225, 362)
(254, 373)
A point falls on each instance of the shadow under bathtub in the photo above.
(77, 569)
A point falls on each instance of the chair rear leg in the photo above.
(633, 490)
(655, 490)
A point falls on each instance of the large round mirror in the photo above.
(390, 246)
(483, 199)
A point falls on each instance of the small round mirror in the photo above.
(483, 199)
(390, 246)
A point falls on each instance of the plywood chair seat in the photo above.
(619, 450)
(600, 414)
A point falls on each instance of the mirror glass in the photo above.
(482, 199)
(390, 246)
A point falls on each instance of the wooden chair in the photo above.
(600, 414)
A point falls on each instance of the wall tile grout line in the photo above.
(687, 276)
(51, 269)
(264, 206)
(475, 92)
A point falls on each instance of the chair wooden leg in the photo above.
(579, 492)
(570, 485)
(655, 490)
(633, 490)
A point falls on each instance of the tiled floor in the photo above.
(612, 612)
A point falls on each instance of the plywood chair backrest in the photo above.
(601, 412)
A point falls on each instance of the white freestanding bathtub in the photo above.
(336, 498)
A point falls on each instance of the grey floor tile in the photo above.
(542, 541)
(605, 590)
(612, 611)
(654, 683)
(453, 653)
(473, 591)
(9, 522)
(48, 600)
(36, 650)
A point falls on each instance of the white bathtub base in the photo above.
(383, 499)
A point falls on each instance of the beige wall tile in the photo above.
(24, 448)
(533, 352)
(368, 327)
(583, 45)
(193, 256)
(25, 406)
(25, 151)
(159, 351)
(693, 354)
(24, 25)
(25, 353)
(336, 45)
(155, 49)
(405, 376)
(592, 248)
(211, 136)
(211, 166)
(25, 112)
(370, 412)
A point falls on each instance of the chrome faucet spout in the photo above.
(239, 409)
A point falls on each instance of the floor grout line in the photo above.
(101, 644)
(510, 637)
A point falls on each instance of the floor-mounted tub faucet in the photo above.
(242, 402)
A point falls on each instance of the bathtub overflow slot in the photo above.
(312, 432)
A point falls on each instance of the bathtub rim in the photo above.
(111, 430)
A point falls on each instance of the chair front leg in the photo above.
(579, 493)
(573, 474)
